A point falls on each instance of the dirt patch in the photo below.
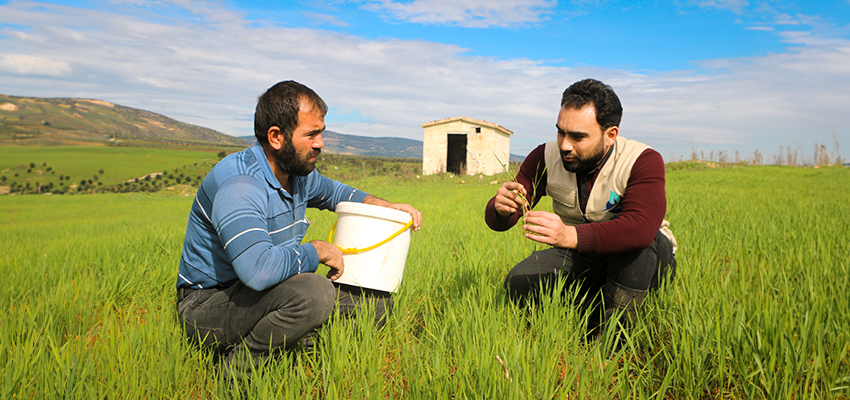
(8, 107)
(182, 190)
(99, 102)
(152, 175)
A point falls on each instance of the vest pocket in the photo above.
(562, 194)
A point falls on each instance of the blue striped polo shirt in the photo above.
(243, 225)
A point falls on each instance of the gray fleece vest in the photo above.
(607, 191)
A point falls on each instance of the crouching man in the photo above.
(245, 281)
(607, 231)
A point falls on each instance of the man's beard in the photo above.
(584, 165)
(288, 160)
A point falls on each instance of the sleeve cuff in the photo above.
(310, 260)
(586, 238)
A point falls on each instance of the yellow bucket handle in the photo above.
(355, 250)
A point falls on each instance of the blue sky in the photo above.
(710, 75)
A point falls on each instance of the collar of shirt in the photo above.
(258, 152)
(296, 183)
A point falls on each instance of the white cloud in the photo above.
(321, 18)
(25, 64)
(736, 6)
(785, 19)
(465, 13)
(210, 74)
(762, 103)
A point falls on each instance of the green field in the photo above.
(62, 167)
(759, 309)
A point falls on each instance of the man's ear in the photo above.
(275, 138)
(610, 135)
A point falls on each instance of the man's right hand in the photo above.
(508, 200)
(331, 256)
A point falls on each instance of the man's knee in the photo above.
(311, 295)
(665, 258)
(321, 294)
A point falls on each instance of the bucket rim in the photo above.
(350, 207)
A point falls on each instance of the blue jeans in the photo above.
(230, 320)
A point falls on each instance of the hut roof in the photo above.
(471, 121)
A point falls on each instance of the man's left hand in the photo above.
(414, 213)
(547, 228)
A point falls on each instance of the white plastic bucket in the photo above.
(360, 226)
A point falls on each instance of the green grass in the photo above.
(759, 308)
(31, 164)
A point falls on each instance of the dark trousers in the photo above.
(230, 320)
(624, 279)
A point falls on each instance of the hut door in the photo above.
(456, 153)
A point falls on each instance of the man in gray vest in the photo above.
(607, 232)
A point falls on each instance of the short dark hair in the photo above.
(279, 106)
(609, 111)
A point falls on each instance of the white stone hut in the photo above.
(465, 146)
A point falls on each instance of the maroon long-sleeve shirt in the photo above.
(643, 205)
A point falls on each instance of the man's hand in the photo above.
(414, 213)
(509, 198)
(331, 256)
(547, 228)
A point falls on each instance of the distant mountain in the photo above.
(52, 121)
(341, 143)
(70, 121)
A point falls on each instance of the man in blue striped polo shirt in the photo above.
(245, 281)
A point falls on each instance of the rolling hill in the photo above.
(68, 121)
(39, 121)
(340, 143)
